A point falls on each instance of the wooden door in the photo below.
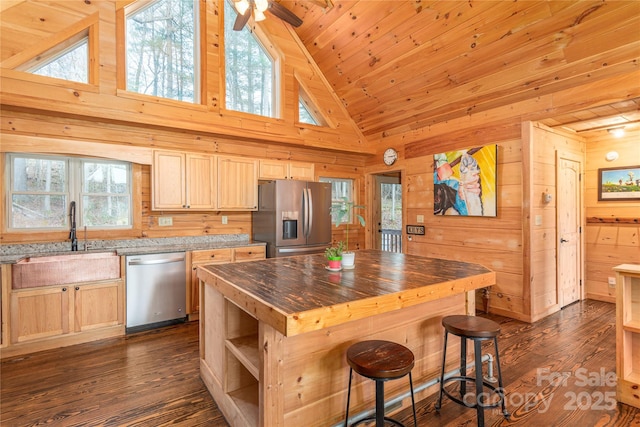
(169, 175)
(200, 182)
(40, 313)
(568, 220)
(237, 183)
(388, 212)
(98, 305)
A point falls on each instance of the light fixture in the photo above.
(259, 7)
(617, 132)
(611, 156)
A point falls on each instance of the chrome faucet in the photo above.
(72, 233)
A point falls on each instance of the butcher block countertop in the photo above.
(298, 294)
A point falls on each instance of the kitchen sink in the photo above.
(62, 269)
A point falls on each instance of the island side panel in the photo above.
(316, 376)
(271, 376)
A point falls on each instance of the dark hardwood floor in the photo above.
(557, 372)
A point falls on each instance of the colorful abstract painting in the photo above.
(465, 182)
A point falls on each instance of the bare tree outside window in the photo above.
(71, 64)
(249, 70)
(161, 50)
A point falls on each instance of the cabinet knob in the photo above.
(64, 289)
(77, 288)
(213, 255)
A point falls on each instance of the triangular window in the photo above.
(307, 111)
(304, 115)
(68, 61)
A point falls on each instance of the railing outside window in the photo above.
(391, 240)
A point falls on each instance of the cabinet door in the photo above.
(201, 182)
(169, 180)
(237, 183)
(301, 171)
(98, 305)
(249, 253)
(40, 313)
(209, 256)
(274, 169)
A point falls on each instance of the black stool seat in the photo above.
(380, 361)
(477, 329)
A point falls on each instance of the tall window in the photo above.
(162, 49)
(249, 70)
(341, 190)
(42, 188)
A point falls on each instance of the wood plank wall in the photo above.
(36, 133)
(616, 241)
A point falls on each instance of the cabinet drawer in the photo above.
(212, 256)
(250, 253)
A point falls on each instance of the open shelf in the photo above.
(633, 326)
(245, 349)
(246, 399)
(628, 333)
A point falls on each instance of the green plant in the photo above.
(343, 210)
(334, 252)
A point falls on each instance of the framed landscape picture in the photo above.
(621, 183)
(465, 182)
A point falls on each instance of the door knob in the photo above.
(563, 240)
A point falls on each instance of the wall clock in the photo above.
(390, 156)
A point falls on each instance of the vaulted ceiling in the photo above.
(401, 65)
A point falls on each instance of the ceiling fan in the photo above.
(258, 7)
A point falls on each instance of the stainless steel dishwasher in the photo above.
(156, 290)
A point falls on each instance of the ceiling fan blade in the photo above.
(276, 9)
(241, 20)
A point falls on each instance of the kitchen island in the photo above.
(274, 333)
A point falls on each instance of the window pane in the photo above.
(72, 64)
(304, 115)
(341, 190)
(39, 175)
(105, 178)
(161, 50)
(38, 211)
(249, 70)
(391, 195)
(105, 210)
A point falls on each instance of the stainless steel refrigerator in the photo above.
(293, 217)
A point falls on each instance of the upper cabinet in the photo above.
(183, 181)
(281, 169)
(237, 183)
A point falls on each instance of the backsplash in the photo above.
(31, 248)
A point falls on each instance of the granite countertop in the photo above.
(12, 254)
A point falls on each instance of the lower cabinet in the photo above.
(216, 256)
(65, 310)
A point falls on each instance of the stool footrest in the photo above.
(474, 405)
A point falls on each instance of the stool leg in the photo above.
(444, 360)
(346, 417)
(504, 406)
(477, 352)
(413, 402)
(379, 403)
(463, 366)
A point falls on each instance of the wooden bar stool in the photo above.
(380, 361)
(477, 329)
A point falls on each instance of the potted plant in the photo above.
(334, 255)
(344, 210)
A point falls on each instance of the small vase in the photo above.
(348, 260)
(335, 264)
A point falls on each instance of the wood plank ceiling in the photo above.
(400, 65)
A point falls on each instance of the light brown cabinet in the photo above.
(237, 183)
(51, 311)
(282, 169)
(216, 256)
(183, 181)
(628, 334)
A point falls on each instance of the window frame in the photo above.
(199, 52)
(339, 200)
(73, 191)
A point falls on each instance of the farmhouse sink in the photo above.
(62, 269)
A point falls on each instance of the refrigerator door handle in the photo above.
(309, 212)
(305, 213)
